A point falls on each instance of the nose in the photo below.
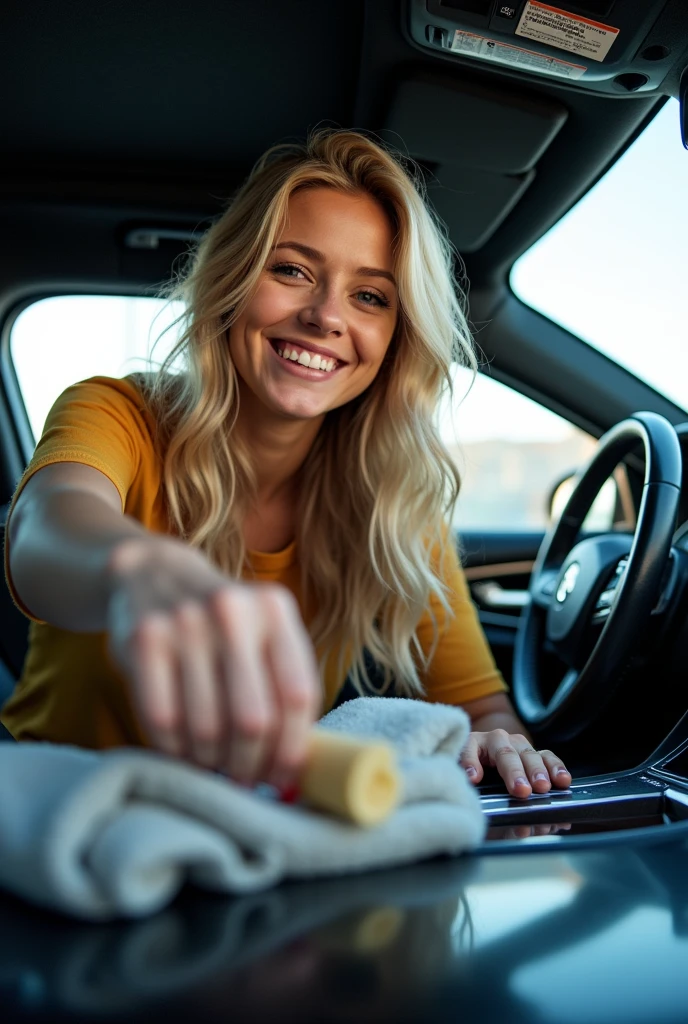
(325, 312)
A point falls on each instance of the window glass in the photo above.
(511, 454)
(613, 270)
(58, 341)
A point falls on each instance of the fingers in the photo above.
(251, 712)
(543, 768)
(523, 769)
(504, 756)
(506, 832)
(202, 721)
(228, 681)
(272, 684)
(534, 767)
(558, 772)
(471, 757)
(156, 695)
(295, 681)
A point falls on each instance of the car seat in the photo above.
(14, 634)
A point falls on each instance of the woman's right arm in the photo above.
(63, 532)
(221, 672)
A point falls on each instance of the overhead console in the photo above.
(614, 47)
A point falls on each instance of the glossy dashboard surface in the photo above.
(555, 935)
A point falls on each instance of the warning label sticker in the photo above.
(566, 31)
(504, 53)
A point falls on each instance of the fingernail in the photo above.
(562, 771)
(471, 772)
(540, 777)
(520, 781)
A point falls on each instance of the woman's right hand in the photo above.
(223, 673)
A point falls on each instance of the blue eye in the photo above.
(379, 299)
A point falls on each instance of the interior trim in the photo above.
(481, 572)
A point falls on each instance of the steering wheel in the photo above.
(591, 600)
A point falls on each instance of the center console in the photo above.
(653, 796)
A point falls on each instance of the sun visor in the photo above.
(484, 159)
(473, 203)
(442, 121)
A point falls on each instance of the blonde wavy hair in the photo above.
(378, 483)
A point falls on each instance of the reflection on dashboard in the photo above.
(524, 830)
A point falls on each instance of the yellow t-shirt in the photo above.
(70, 691)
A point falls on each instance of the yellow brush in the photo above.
(355, 779)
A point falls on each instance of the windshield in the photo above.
(613, 270)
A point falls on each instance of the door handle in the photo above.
(493, 596)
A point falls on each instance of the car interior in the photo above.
(129, 126)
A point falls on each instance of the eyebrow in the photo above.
(318, 257)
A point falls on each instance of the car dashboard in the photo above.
(587, 916)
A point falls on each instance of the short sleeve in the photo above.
(99, 422)
(462, 668)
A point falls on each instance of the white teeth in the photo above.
(314, 361)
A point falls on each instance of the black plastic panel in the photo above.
(445, 121)
(494, 547)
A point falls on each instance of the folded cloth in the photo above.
(101, 835)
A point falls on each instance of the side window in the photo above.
(58, 341)
(515, 458)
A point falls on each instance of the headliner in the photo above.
(124, 112)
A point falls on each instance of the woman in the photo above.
(206, 554)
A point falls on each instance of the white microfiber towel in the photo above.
(102, 835)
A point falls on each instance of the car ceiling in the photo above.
(121, 112)
(120, 116)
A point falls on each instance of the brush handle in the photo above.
(355, 779)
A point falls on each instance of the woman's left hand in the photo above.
(524, 770)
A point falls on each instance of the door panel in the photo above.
(498, 566)
(491, 547)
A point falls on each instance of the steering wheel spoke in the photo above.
(543, 588)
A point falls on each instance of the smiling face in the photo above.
(317, 328)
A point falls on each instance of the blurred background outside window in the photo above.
(510, 450)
